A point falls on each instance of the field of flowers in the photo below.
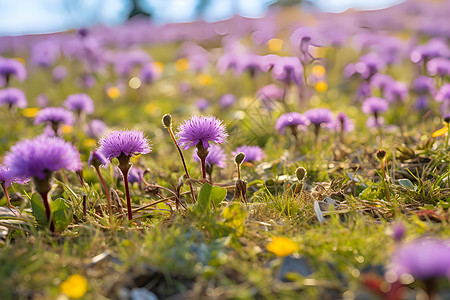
(298, 156)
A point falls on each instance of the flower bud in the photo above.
(239, 158)
(300, 173)
(167, 120)
(381, 155)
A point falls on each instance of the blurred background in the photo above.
(47, 16)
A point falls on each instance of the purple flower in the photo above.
(434, 48)
(54, 115)
(343, 123)
(398, 231)
(381, 81)
(303, 38)
(319, 116)
(252, 153)
(423, 85)
(42, 100)
(227, 100)
(12, 67)
(444, 93)
(269, 94)
(216, 156)
(374, 106)
(288, 70)
(396, 91)
(293, 119)
(201, 129)
(13, 97)
(423, 258)
(148, 74)
(97, 159)
(40, 156)
(79, 103)
(373, 122)
(439, 66)
(135, 175)
(202, 104)
(95, 129)
(7, 178)
(59, 73)
(123, 142)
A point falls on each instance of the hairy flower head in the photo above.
(127, 142)
(201, 129)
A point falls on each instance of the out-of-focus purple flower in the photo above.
(319, 116)
(421, 103)
(201, 129)
(252, 153)
(12, 67)
(293, 120)
(87, 81)
(202, 104)
(343, 123)
(54, 115)
(79, 103)
(148, 73)
(227, 100)
(373, 122)
(13, 98)
(41, 156)
(59, 73)
(126, 61)
(396, 91)
(95, 129)
(96, 159)
(374, 106)
(269, 94)
(424, 85)
(83, 32)
(42, 100)
(303, 39)
(398, 231)
(288, 70)
(381, 81)
(439, 66)
(7, 178)
(370, 64)
(45, 53)
(443, 94)
(424, 258)
(135, 175)
(216, 156)
(123, 142)
(434, 48)
(364, 91)
(240, 63)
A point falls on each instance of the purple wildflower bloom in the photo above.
(288, 70)
(7, 178)
(97, 159)
(216, 156)
(269, 94)
(41, 155)
(148, 74)
(439, 66)
(373, 122)
(444, 93)
(42, 100)
(12, 67)
(95, 129)
(319, 116)
(293, 119)
(135, 175)
(13, 97)
(202, 104)
(79, 103)
(374, 106)
(59, 73)
(54, 115)
(227, 100)
(396, 91)
(343, 123)
(424, 258)
(398, 231)
(201, 129)
(126, 142)
(303, 38)
(381, 81)
(370, 64)
(252, 153)
(434, 48)
(423, 85)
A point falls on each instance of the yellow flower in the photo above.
(181, 64)
(30, 112)
(282, 246)
(113, 92)
(89, 143)
(75, 286)
(319, 71)
(67, 129)
(441, 131)
(275, 44)
(204, 79)
(321, 86)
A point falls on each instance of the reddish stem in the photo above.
(105, 189)
(127, 191)
(6, 195)
(48, 213)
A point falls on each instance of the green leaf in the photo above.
(406, 183)
(38, 209)
(235, 215)
(210, 195)
(62, 213)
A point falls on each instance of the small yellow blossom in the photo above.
(282, 246)
(319, 70)
(275, 44)
(89, 143)
(181, 64)
(67, 128)
(204, 79)
(158, 66)
(75, 286)
(30, 112)
(441, 131)
(113, 92)
(321, 86)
